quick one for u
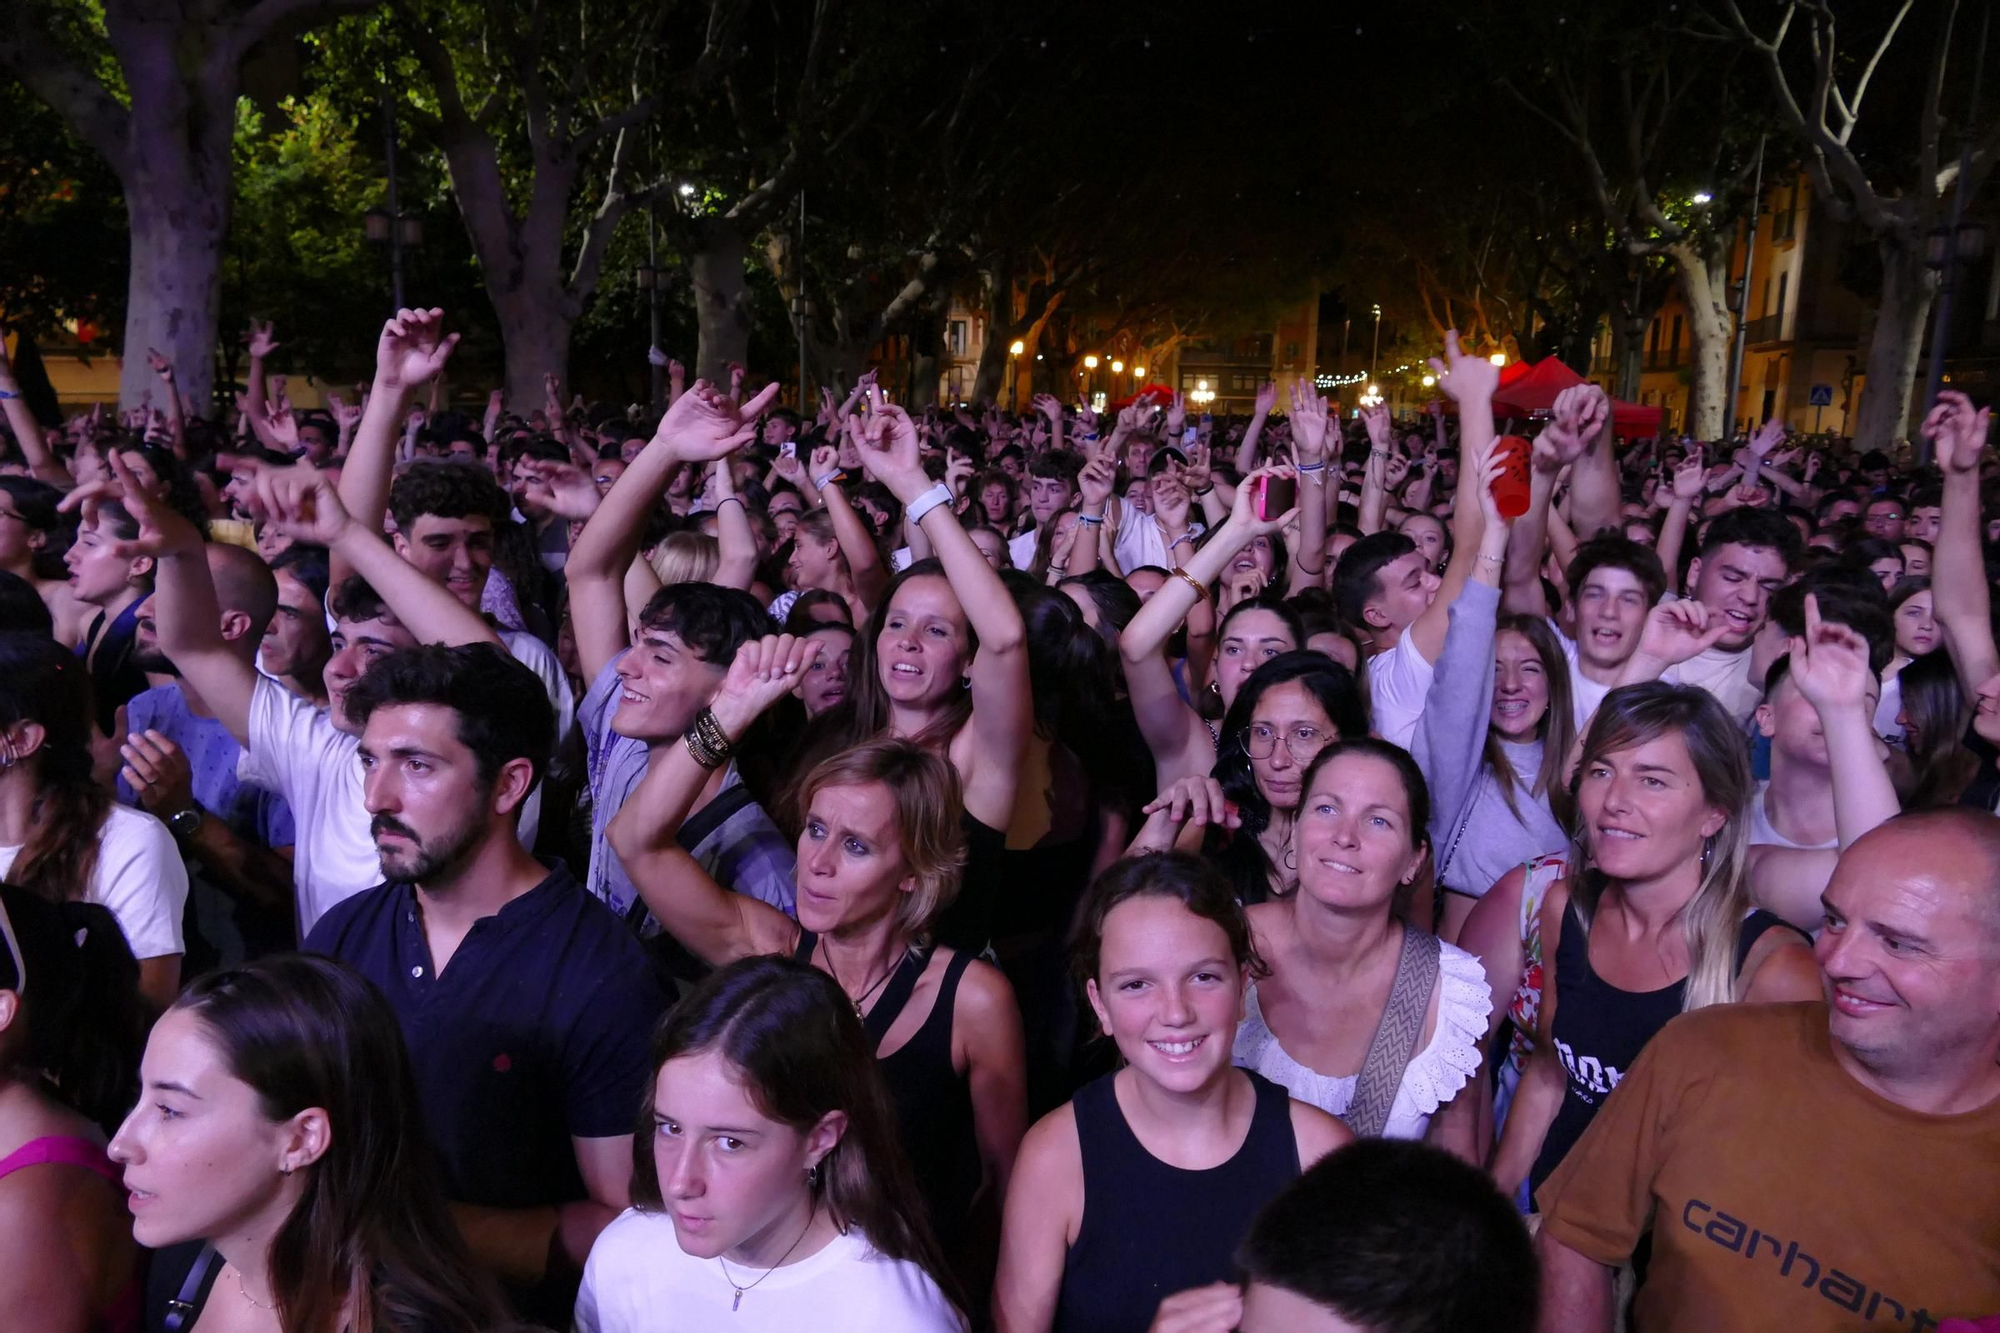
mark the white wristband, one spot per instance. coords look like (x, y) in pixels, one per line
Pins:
(939, 494)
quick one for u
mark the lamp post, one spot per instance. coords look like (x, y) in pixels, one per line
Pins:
(1014, 350)
(1741, 295)
(1375, 351)
(387, 224)
(647, 278)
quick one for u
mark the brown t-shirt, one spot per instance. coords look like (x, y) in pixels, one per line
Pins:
(1781, 1193)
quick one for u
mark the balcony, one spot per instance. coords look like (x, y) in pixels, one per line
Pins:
(1769, 329)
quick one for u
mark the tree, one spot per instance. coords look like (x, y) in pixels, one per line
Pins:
(152, 89)
(62, 223)
(1896, 197)
(1651, 115)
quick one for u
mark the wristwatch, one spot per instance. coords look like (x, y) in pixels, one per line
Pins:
(183, 823)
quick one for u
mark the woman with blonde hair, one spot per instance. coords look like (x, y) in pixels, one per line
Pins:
(686, 557)
(880, 853)
(1659, 920)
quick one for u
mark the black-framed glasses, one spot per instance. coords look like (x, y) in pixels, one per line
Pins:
(1260, 740)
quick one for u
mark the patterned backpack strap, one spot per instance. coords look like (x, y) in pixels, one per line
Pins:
(1396, 1036)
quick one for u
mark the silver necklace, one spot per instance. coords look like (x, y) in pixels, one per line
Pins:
(737, 1304)
(244, 1291)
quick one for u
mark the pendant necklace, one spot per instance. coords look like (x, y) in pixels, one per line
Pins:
(830, 971)
(737, 1304)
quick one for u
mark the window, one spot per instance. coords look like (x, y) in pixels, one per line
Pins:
(1784, 281)
(956, 338)
(1674, 351)
(1653, 346)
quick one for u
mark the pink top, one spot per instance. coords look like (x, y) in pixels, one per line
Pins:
(63, 1150)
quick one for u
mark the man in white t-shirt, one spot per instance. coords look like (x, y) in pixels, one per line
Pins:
(1746, 556)
(306, 755)
(1613, 582)
(1383, 586)
(1051, 489)
(1165, 537)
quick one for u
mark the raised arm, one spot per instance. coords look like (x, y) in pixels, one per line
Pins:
(1595, 497)
(1246, 452)
(1309, 439)
(1375, 475)
(1560, 445)
(1471, 381)
(413, 348)
(176, 415)
(1173, 731)
(1959, 593)
(701, 426)
(1094, 484)
(738, 567)
(850, 531)
(304, 505)
(1829, 664)
(1002, 706)
(263, 342)
(185, 610)
(1689, 479)
(28, 433)
(719, 926)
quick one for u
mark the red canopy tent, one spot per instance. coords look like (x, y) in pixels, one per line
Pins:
(1532, 393)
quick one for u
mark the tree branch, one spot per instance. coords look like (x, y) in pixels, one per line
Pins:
(272, 18)
(40, 62)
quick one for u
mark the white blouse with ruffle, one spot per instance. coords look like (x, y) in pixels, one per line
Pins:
(1435, 1074)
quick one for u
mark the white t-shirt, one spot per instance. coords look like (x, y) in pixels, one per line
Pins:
(1764, 834)
(639, 1281)
(1398, 682)
(1140, 543)
(139, 876)
(539, 658)
(1724, 674)
(1585, 694)
(1021, 547)
(296, 751)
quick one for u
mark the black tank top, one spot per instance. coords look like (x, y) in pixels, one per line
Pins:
(1150, 1229)
(1599, 1030)
(933, 1100)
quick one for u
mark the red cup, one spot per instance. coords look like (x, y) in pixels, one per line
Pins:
(1510, 488)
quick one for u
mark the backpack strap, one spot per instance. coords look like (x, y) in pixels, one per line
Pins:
(1396, 1036)
(183, 1308)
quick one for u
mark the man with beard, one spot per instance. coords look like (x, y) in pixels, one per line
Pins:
(525, 1003)
(179, 764)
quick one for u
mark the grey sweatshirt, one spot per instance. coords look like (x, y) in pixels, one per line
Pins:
(1448, 746)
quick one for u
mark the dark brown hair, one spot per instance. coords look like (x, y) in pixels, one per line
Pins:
(1182, 876)
(370, 1230)
(43, 683)
(793, 1037)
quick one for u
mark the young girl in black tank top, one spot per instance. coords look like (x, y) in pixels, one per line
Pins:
(1659, 924)
(1144, 1184)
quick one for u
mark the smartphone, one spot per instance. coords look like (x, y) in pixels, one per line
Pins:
(1276, 496)
(789, 449)
(1190, 437)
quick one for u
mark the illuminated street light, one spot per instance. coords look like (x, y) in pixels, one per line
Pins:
(1017, 347)
(687, 189)
(1138, 370)
(1090, 363)
(1118, 367)
(1430, 381)
(1498, 358)
(1703, 196)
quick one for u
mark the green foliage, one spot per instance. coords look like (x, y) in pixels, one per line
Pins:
(62, 223)
(297, 250)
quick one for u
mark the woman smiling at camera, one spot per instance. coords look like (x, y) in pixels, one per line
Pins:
(1144, 1184)
(770, 1191)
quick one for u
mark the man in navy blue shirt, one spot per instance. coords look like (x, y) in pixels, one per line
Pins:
(526, 1005)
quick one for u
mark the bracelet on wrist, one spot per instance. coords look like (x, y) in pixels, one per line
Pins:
(821, 483)
(1090, 520)
(731, 499)
(921, 505)
(1310, 467)
(1200, 592)
(1205, 491)
(1187, 537)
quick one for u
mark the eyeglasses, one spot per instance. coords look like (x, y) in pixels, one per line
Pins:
(1260, 741)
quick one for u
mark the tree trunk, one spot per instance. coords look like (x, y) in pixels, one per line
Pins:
(534, 337)
(1703, 277)
(926, 344)
(1628, 350)
(1907, 288)
(178, 226)
(721, 298)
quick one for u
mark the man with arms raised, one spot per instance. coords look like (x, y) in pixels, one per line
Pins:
(1825, 1165)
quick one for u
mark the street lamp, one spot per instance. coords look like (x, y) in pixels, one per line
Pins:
(375, 225)
(1376, 351)
(1014, 349)
(1118, 367)
(1498, 358)
(1430, 381)
(1702, 196)
(1138, 372)
(1090, 363)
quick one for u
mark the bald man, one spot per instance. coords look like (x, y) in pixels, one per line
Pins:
(179, 763)
(1833, 1165)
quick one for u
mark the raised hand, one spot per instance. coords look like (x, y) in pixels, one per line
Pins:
(703, 425)
(1829, 663)
(1690, 477)
(825, 459)
(277, 423)
(1462, 375)
(263, 341)
(1394, 468)
(1308, 424)
(889, 449)
(1766, 438)
(1958, 431)
(1243, 513)
(1679, 630)
(655, 357)
(561, 488)
(346, 416)
(1048, 405)
(1198, 474)
(1579, 415)
(1376, 419)
(1094, 482)
(161, 366)
(958, 471)
(413, 348)
(1197, 800)
(1177, 413)
(162, 529)
(764, 671)
(1267, 398)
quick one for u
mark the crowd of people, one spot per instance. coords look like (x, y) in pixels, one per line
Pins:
(712, 867)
